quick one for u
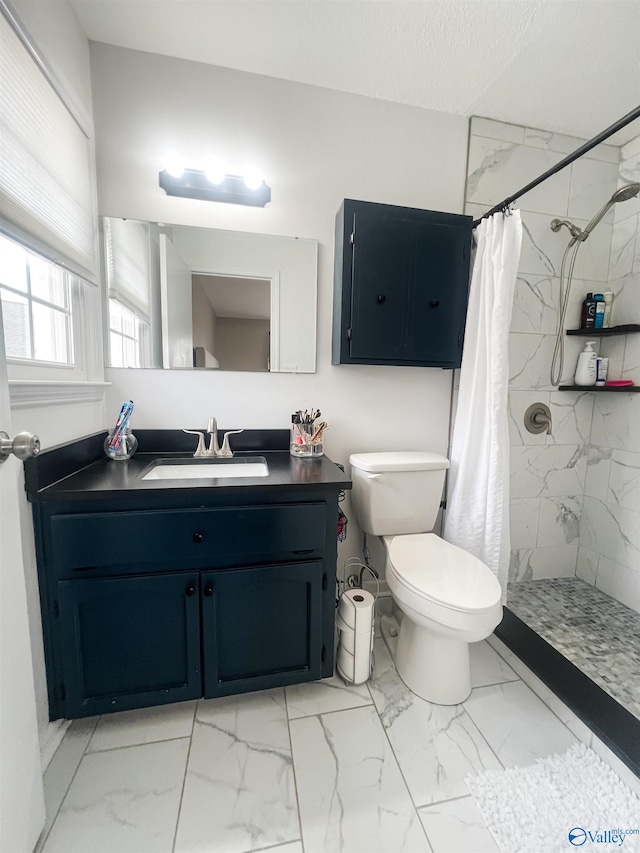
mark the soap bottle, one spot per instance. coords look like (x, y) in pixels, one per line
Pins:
(586, 369)
(600, 310)
(588, 316)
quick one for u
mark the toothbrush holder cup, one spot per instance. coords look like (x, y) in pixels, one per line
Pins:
(306, 440)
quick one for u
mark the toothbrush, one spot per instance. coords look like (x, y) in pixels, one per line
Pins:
(121, 425)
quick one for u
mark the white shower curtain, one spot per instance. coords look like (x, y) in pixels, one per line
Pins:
(477, 516)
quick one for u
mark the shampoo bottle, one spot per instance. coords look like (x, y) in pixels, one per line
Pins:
(588, 316)
(608, 302)
(586, 369)
(600, 310)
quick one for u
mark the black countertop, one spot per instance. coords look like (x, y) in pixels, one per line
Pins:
(80, 471)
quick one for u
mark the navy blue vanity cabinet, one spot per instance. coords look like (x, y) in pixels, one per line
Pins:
(154, 598)
(128, 642)
(401, 285)
(259, 624)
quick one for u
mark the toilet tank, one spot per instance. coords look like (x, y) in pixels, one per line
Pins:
(397, 492)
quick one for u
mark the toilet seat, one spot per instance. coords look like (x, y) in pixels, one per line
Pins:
(442, 574)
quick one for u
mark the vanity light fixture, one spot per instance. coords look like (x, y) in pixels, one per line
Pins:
(213, 184)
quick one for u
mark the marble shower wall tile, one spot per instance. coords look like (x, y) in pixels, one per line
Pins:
(592, 260)
(629, 171)
(571, 414)
(351, 793)
(613, 349)
(598, 468)
(559, 521)
(631, 367)
(239, 791)
(568, 144)
(587, 565)
(624, 480)
(612, 531)
(535, 304)
(620, 582)
(495, 167)
(549, 471)
(542, 248)
(616, 421)
(529, 564)
(623, 247)
(626, 298)
(523, 522)
(592, 185)
(530, 361)
(496, 129)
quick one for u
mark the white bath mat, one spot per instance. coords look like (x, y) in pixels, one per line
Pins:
(561, 803)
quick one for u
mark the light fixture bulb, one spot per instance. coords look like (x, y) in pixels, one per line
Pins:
(215, 171)
(174, 165)
(252, 178)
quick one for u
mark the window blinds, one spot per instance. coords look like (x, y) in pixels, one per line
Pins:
(127, 264)
(46, 187)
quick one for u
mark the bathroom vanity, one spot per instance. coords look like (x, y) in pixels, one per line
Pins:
(155, 591)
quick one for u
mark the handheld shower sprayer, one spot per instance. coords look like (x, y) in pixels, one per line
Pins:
(628, 191)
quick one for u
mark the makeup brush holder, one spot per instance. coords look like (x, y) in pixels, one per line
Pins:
(306, 440)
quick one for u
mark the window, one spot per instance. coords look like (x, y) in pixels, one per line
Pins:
(36, 306)
(127, 336)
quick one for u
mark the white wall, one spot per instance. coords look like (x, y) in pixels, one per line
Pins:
(59, 37)
(316, 147)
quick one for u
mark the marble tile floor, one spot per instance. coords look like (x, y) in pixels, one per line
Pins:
(313, 768)
(595, 632)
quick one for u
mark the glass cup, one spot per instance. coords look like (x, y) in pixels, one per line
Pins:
(306, 440)
(128, 445)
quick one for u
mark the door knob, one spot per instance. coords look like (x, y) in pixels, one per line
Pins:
(24, 445)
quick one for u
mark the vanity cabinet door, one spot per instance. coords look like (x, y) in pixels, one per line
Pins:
(261, 627)
(128, 642)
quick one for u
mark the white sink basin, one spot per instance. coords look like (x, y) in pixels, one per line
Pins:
(208, 470)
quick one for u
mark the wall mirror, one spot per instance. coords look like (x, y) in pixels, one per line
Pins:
(185, 297)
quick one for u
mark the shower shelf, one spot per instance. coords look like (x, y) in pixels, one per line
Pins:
(628, 329)
(621, 389)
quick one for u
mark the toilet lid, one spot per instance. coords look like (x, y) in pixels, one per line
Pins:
(443, 573)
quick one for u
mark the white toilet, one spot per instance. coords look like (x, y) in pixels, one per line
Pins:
(448, 598)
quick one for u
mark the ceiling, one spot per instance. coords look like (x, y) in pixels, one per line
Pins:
(241, 298)
(571, 66)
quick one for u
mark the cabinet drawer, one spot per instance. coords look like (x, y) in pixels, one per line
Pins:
(104, 538)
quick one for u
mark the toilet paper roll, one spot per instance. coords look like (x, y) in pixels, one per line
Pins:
(356, 609)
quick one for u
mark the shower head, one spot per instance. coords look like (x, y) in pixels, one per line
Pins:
(628, 191)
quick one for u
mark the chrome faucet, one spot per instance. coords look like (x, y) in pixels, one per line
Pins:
(214, 450)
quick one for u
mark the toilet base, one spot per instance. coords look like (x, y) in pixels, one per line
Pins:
(434, 667)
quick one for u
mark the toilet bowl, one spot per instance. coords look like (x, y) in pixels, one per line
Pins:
(448, 599)
(447, 596)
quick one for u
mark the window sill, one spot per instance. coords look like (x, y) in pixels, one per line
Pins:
(25, 393)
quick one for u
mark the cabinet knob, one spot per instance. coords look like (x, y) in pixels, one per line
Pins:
(208, 590)
(198, 537)
(382, 298)
(190, 590)
(434, 303)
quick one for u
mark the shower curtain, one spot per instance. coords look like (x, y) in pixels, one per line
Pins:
(477, 516)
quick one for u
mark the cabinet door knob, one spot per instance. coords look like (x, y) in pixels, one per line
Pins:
(190, 590)
(435, 303)
(208, 590)
(198, 537)
(381, 299)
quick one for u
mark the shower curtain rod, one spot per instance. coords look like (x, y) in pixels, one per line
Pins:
(605, 134)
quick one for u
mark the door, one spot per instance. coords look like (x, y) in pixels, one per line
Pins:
(21, 795)
(261, 627)
(128, 642)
